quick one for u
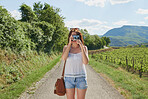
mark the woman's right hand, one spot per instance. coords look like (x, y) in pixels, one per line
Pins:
(70, 38)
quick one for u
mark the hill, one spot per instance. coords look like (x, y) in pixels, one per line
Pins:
(128, 35)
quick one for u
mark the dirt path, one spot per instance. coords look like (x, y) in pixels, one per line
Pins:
(98, 87)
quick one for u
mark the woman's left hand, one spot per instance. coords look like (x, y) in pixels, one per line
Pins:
(79, 42)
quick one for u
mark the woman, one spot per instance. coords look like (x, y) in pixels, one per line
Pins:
(75, 53)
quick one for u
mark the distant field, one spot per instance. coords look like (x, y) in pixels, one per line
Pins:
(133, 59)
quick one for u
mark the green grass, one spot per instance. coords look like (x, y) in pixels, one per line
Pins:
(15, 89)
(134, 87)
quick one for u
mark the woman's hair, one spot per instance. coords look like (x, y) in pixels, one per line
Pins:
(76, 30)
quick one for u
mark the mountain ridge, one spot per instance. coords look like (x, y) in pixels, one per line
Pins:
(128, 35)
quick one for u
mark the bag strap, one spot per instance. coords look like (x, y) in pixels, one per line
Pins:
(63, 69)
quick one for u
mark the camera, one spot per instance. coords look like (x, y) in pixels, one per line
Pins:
(76, 37)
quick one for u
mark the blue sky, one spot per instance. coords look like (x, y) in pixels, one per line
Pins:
(97, 16)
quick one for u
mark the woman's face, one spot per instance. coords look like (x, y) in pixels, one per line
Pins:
(73, 33)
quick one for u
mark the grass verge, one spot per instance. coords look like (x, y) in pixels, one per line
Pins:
(129, 85)
(15, 89)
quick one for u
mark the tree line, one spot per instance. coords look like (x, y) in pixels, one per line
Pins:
(41, 28)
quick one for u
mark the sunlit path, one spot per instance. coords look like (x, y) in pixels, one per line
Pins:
(98, 87)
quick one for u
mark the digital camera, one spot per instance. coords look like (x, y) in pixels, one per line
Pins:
(76, 37)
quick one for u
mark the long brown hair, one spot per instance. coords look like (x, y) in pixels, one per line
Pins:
(76, 30)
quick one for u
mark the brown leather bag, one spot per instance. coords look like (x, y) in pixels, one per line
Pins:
(59, 87)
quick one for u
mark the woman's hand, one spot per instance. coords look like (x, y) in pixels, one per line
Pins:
(79, 42)
(70, 38)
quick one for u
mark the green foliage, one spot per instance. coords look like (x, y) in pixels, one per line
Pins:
(40, 29)
(94, 41)
(59, 38)
(22, 70)
(106, 41)
(27, 14)
(138, 55)
(49, 14)
(11, 33)
(43, 37)
(37, 7)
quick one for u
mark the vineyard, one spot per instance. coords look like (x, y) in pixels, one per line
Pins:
(133, 59)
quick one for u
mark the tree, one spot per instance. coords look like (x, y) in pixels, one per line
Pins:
(12, 34)
(37, 8)
(51, 15)
(27, 14)
(107, 40)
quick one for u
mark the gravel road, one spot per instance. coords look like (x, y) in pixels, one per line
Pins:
(98, 87)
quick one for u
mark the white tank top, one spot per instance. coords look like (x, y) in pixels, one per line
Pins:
(74, 66)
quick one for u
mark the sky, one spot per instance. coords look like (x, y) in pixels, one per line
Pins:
(97, 16)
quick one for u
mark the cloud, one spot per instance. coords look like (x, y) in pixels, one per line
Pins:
(90, 22)
(93, 26)
(96, 26)
(101, 3)
(96, 3)
(81, 0)
(146, 18)
(121, 23)
(113, 2)
(142, 11)
(142, 22)
(16, 14)
(125, 22)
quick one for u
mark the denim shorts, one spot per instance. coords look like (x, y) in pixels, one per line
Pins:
(78, 82)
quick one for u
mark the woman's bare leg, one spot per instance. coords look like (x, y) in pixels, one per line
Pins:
(81, 93)
(70, 93)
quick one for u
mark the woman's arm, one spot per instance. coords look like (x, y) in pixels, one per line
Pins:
(66, 51)
(85, 55)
